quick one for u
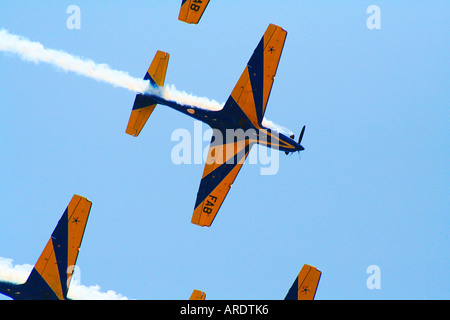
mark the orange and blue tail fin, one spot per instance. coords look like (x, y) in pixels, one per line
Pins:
(144, 104)
(305, 284)
(50, 277)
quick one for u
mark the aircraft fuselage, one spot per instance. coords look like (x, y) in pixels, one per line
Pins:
(26, 292)
(234, 120)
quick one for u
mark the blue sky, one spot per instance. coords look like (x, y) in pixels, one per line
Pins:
(371, 188)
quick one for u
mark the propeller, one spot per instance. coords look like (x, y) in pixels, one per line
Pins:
(301, 134)
(299, 138)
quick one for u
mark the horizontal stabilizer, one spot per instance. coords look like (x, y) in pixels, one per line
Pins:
(144, 104)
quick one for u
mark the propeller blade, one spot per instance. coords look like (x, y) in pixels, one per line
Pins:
(301, 134)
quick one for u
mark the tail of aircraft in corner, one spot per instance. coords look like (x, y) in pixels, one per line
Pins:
(50, 277)
(305, 284)
(144, 104)
(303, 288)
(197, 295)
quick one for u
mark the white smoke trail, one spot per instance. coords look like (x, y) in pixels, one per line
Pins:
(272, 125)
(169, 92)
(19, 274)
(36, 52)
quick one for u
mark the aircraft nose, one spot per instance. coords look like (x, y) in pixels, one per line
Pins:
(301, 148)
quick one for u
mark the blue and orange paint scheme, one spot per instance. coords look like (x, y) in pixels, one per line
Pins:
(243, 112)
(191, 11)
(51, 275)
(305, 284)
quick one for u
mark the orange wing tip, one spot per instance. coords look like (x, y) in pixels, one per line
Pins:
(182, 16)
(192, 11)
(202, 220)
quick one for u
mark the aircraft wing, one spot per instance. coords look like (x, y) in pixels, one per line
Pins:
(305, 284)
(252, 91)
(192, 10)
(56, 263)
(222, 166)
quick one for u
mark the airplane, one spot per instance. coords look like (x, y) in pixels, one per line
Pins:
(191, 11)
(303, 288)
(51, 275)
(243, 112)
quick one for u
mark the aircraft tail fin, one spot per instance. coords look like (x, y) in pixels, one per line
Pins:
(197, 295)
(305, 284)
(144, 104)
(50, 277)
